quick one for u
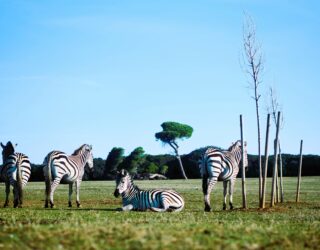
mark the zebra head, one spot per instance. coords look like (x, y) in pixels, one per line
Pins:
(245, 160)
(85, 151)
(123, 181)
(88, 150)
(236, 148)
(7, 150)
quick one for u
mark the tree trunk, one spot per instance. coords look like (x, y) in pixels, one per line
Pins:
(175, 148)
(181, 167)
(259, 142)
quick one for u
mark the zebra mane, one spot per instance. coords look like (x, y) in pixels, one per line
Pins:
(126, 173)
(234, 145)
(77, 151)
(209, 150)
(133, 184)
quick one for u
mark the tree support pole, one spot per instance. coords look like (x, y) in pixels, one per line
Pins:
(244, 195)
(299, 174)
(266, 157)
(275, 174)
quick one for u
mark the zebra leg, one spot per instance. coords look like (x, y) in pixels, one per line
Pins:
(54, 185)
(6, 203)
(78, 182)
(231, 188)
(127, 208)
(207, 207)
(156, 209)
(15, 195)
(70, 194)
(47, 193)
(162, 204)
(225, 189)
(207, 186)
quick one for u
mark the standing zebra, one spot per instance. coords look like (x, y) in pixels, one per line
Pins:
(135, 199)
(59, 167)
(16, 170)
(216, 164)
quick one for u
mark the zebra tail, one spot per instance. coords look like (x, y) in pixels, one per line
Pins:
(19, 182)
(49, 169)
(48, 179)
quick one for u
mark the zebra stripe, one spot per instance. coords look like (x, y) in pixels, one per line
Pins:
(216, 164)
(16, 172)
(61, 168)
(133, 198)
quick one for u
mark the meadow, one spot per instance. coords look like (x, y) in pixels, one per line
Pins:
(97, 225)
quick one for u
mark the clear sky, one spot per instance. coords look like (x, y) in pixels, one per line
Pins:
(108, 73)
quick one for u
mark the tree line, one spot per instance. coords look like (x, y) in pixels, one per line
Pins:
(141, 164)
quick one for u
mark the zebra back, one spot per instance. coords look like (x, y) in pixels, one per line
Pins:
(17, 168)
(215, 161)
(68, 164)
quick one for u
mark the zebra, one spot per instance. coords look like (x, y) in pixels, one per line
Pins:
(216, 164)
(156, 200)
(59, 167)
(15, 171)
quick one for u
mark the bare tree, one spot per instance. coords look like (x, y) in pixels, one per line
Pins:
(253, 64)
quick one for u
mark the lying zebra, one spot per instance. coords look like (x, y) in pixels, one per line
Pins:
(157, 200)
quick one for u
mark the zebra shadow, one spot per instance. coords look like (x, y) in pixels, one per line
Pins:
(78, 209)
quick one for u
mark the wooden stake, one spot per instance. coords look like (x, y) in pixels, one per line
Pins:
(299, 174)
(281, 180)
(266, 156)
(244, 195)
(276, 142)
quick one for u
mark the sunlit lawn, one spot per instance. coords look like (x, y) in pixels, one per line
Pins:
(98, 226)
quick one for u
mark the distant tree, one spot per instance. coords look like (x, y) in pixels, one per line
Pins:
(172, 131)
(113, 160)
(98, 173)
(152, 168)
(133, 161)
(163, 169)
(253, 64)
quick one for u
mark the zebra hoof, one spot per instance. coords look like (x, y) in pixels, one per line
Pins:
(79, 205)
(52, 205)
(224, 207)
(207, 208)
(231, 206)
(69, 204)
(5, 205)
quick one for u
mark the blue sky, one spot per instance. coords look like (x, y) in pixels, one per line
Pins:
(108, 73)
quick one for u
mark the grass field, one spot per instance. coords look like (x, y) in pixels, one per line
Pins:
(98, 226)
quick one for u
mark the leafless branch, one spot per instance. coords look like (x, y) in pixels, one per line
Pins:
(253, 65)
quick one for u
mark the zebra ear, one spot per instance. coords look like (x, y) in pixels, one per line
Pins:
(90, 146)
(123, 173)
(245, 143)
(2, 145)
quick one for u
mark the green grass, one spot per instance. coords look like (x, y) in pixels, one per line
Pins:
(98, 226)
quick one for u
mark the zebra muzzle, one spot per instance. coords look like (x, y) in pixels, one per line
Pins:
(116, 193)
